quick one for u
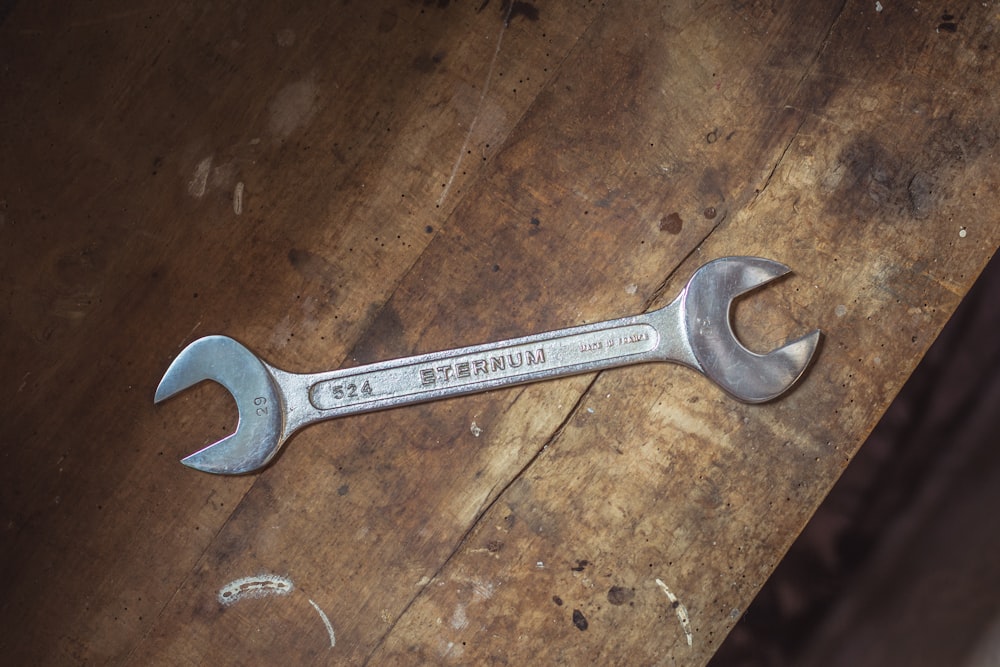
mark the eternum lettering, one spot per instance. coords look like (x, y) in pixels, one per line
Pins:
(461, 370)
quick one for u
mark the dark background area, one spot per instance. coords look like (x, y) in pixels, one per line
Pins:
(899, 566)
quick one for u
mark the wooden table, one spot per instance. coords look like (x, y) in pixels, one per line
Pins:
(334, 184)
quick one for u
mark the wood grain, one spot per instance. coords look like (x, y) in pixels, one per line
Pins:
(337, 185)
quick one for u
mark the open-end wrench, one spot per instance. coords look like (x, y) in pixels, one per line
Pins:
(694, 330)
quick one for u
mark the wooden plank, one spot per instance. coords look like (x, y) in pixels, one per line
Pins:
(130, 131)
(635, 144)
(652, 487)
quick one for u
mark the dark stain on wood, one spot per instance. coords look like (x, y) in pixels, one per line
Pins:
(619, 595)
(920, 194)
(871, 180)
(948, 23)
(385, 339)
(672, 224)
(511, 10)
(304, 261)
(579, 620)
(875, 179)
(426, 62)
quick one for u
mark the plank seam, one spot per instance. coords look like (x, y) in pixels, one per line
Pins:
(484, 510)
(798, 87)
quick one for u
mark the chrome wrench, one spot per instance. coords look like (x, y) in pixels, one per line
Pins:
(694, 330)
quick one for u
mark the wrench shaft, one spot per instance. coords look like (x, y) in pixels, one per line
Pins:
(428, 377)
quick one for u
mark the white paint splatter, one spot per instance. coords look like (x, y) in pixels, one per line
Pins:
(840, 310)
(199, 181)
(326, 622)
(878, 6)
(259, 586)
(293, 107)
(631, 289)
(962, 233)
(451, 650)
(238, 198)
(476, 431)
(680, 610)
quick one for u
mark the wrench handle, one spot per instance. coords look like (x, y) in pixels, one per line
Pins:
(427, 377)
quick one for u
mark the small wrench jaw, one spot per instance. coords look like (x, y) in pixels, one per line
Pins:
(705, 304)
(259, 434)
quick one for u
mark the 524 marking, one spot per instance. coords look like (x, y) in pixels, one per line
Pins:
(339, 391)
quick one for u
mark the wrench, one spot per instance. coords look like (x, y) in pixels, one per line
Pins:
(694, 330)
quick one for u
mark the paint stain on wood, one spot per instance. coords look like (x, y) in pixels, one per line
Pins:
(293, 107)
(682, 613)
(258, 586)
(326, 623)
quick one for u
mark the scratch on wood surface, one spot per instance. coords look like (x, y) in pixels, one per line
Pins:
(680, 610)
(459, 618)
(108, 18)
(479, 108)
(326, 623)
(258, 586)
(189, 334)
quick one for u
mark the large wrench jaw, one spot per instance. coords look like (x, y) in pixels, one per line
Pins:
(705, 306)
(259, 434)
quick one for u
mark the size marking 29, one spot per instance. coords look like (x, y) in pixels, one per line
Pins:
(261, 404)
